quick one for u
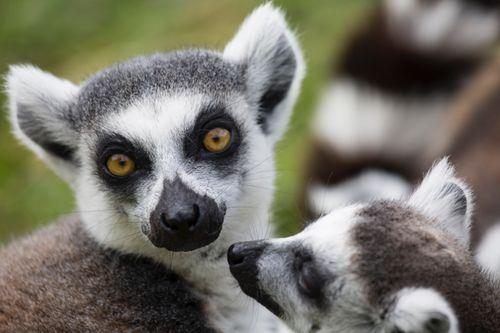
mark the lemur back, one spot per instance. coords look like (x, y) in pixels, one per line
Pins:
(390, 92)
(60, 279)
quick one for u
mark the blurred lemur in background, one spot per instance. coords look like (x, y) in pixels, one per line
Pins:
(171, 160)
(386, 266)
(387, 104)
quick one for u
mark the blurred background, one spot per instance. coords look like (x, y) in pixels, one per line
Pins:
(75, 39)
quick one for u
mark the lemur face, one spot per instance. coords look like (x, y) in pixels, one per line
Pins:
(166, 145)
(171, 160)
(360, 268)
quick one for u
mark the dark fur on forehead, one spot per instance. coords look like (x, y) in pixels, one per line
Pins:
(398, 249)
(195, 71)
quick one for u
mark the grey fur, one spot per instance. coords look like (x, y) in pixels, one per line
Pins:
(283, 69)
(188, 70)
(398, 248)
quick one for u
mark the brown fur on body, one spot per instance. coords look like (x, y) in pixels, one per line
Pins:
(420, 255)
(59, 279)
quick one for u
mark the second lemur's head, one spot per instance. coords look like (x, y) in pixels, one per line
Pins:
(384, 266)
(162, 150)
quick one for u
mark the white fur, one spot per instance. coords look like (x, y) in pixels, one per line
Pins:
(370, 185)
(449, 26)
(431, 200)
(416, 306)
(488, 252)
(330, 235)
(255, 44)
(329, 240)
(357, 120)
(42, 93)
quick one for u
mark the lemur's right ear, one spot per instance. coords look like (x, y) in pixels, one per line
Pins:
(274, 66)
(447, 199)
(39, 112)
(420, 310)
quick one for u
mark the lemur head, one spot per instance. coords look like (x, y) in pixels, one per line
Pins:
(451, 27)
(160, 149)
(366, 267)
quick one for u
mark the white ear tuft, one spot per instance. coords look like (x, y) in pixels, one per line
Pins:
(447, 199)
(39, 114)
(29, 84)
(258, 33)
(274, 66)
(421, 310)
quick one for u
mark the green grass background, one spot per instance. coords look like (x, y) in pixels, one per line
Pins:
(73, 39)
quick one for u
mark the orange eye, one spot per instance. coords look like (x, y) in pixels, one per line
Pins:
(217, 140)
(120, 165)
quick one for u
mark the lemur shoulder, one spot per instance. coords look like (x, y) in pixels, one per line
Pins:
(60, 279)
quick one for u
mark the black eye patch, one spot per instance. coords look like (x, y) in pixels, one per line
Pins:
(213, 116)
(111, 144)
(310, 278)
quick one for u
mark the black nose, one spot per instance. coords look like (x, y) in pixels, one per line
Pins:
(243, 261)
(243, 258)
(245, 254)
(184, 220)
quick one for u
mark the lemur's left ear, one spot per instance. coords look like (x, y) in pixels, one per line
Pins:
(39, 105)
(420, 310)
(447, 199)
(274, 66)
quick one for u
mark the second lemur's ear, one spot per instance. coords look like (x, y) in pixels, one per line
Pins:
(447, 199)
(420, 310)
(274, 66)
(39, 105)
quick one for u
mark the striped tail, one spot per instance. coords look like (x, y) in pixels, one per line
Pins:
(387, 99)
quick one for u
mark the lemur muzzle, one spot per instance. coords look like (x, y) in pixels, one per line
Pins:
(184, 220)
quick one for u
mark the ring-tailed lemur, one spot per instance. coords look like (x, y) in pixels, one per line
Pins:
(171, 160)
(384, 266)
(390, 91)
